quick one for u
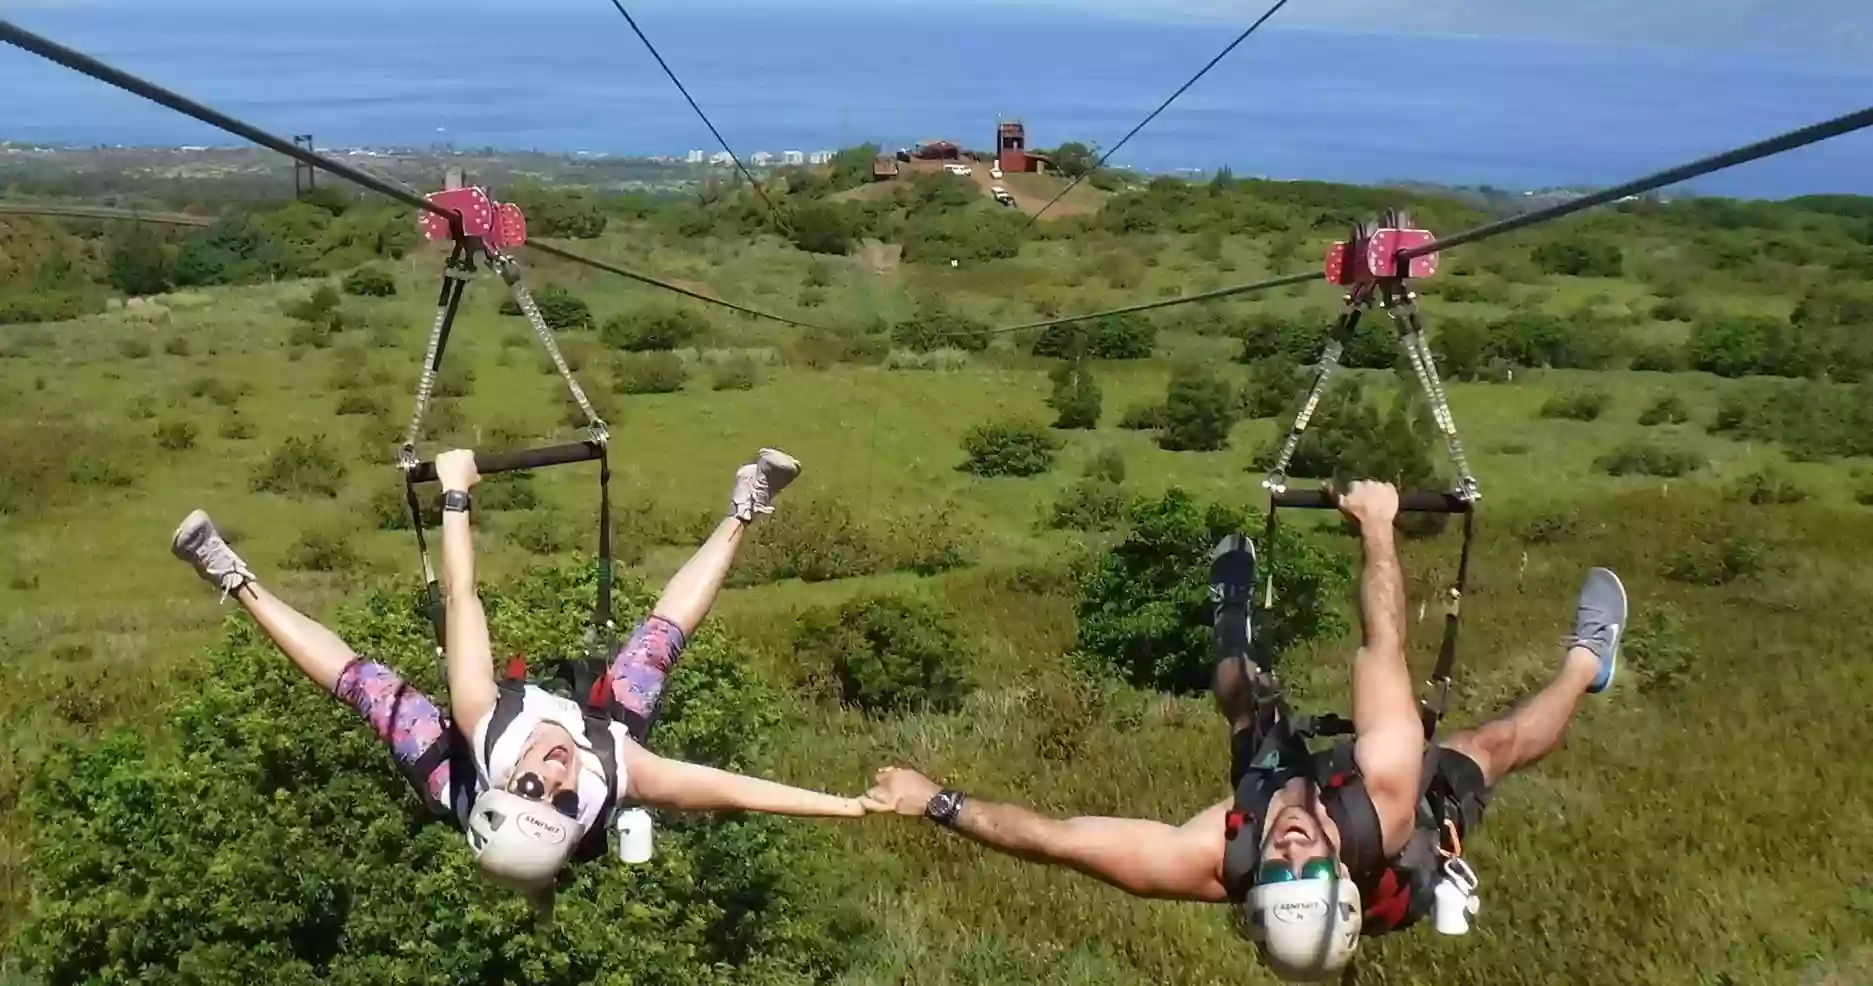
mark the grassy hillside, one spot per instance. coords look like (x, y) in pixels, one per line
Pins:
(1707, 821)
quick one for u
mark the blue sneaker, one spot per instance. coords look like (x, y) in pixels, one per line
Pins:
(1599, 618)
(1232, 586)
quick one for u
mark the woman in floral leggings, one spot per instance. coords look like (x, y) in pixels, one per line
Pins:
(542, 781)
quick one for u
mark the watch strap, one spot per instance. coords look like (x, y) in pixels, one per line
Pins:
(455, 500)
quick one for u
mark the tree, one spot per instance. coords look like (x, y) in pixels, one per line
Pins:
(1009, 448)
(1074, 159)
(888, 653)
(1076, 397)
(278, 844)
(1199, 410)
(1144, 612)
(138, 266)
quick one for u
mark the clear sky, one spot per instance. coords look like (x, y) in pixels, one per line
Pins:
(1836, 30)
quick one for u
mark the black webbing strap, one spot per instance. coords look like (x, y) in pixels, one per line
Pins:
(1431, 709)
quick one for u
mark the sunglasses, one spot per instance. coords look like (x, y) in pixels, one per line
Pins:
(529, 785)
(1278, 870)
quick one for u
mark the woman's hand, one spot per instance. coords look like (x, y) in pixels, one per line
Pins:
(455, 469)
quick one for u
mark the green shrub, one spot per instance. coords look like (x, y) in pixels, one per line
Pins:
(814, 541)
(322, 549)
(926, 542)
(176, 436)
(1144, 612)
(934, 329)
(236, 428)
(356, 403)
(1765, 487)
(300, 467)
(542, 532)
(1576, 405)
(1143, 417)
(888, 653)
(133, 348)
(454, 380)
(1644, 458)
(507, 491)
(1273, 390)
(216, 391)
(1108, 465)
(562, 310)
(93, 468)
(1111, 337)
(1349, 438)
(1199, 410)
(1076, 397)
(1714, 560)
(176, 345)
(1088, 505)
(370, 282)
(303, 869)
(1550, 528)
(1668, 409)
(739, 373)
(1010, 448)
(661, 328)
(650, 373)
(1579, 256)
(1658, 358)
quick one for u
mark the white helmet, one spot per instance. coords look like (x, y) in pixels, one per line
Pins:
(1307, 930)
(519, 842)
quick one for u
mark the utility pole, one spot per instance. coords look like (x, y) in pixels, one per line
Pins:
(302, 172)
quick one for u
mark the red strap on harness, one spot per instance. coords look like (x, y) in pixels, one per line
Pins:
(1232, 823)
(517, 668)
(1391, 901)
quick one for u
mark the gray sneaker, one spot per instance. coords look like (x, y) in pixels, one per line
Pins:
(758, 482)
(1599, 618)
(198, 543)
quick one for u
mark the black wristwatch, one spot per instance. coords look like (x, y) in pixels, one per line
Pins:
(455, 500)
(944, 807)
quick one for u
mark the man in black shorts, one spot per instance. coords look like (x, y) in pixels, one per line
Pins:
(1314, 849)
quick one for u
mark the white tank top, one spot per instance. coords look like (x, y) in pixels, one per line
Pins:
(539, 706)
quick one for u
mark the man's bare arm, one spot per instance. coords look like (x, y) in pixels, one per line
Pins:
(1143, 858)
(1390, 736)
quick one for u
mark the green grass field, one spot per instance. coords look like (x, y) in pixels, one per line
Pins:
(1708, 821)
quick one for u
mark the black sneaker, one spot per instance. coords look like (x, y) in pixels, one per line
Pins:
(1232, 588)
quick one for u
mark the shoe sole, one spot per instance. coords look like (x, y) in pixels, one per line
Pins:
(778, 458)
(195, 520)
(1619, 628)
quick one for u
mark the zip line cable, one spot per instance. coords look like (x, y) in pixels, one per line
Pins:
(19, 37)
(773, 212)
(1240, 289)
(563, 254)
(79, 62)
(1792, 140)
(1782, 143)
(1244, 36)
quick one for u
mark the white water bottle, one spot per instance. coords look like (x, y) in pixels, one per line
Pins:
(1456, 900)
(635, 836)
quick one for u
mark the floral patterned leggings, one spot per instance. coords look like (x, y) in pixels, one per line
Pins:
(421, 738)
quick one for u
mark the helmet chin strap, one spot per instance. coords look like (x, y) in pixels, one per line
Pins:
(1310, 800)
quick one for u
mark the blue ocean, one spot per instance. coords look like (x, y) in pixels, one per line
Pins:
(1289, 103)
